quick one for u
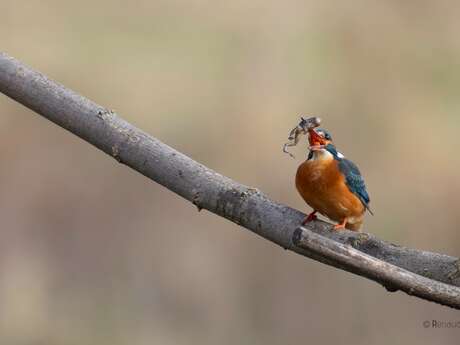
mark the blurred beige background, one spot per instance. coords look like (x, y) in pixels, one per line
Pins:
(93, 253)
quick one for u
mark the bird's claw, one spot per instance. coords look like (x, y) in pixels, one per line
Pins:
(340, 226)
(311, 217)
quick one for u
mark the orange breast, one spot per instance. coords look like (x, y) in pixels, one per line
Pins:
(323, 188)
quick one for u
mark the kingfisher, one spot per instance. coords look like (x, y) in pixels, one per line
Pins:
(331, 184)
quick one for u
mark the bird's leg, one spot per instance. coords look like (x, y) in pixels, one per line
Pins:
(341, 226)
(310, 217)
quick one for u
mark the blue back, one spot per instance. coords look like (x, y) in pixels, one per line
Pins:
(353, 178)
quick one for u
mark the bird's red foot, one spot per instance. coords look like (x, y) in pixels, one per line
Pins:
(340, 226)
(312, 216)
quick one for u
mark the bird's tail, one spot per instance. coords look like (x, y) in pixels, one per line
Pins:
(369, 210)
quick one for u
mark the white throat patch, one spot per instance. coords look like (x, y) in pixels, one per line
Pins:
(322, 155)
(325, 155)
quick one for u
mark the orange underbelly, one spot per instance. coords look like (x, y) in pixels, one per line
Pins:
(323, 188)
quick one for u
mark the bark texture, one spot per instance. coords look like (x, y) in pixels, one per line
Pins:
(428, 275)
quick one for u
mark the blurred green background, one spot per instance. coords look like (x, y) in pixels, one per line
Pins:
(93, 253)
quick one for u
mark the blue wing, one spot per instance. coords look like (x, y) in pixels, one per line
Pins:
(355, 181)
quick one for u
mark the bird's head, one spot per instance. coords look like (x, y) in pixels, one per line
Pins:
(321, 147)
(319, 138)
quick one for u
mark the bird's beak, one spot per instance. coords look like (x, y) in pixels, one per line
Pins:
(317, 142)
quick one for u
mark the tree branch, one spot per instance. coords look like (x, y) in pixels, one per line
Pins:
(390, 276)
(431, 276)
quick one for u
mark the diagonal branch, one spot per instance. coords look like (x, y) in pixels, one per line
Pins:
(431, 276)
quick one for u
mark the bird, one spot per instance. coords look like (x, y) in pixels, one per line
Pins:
(331, 184)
